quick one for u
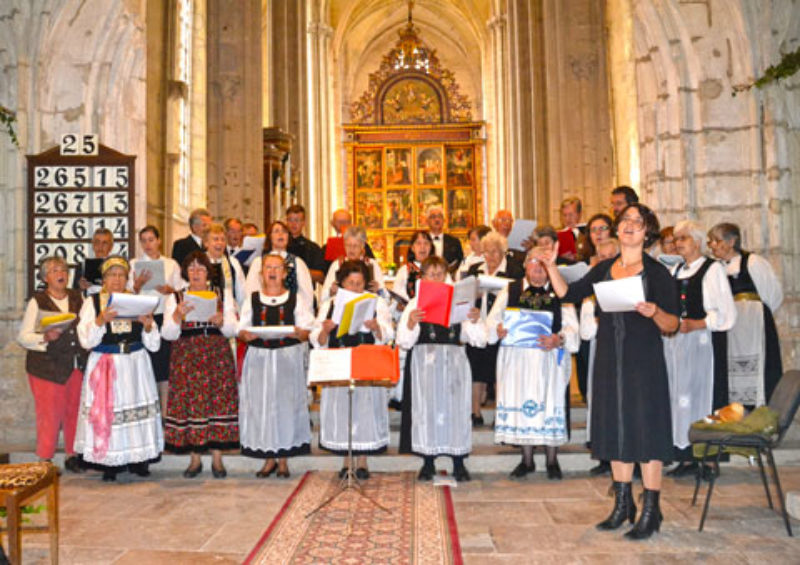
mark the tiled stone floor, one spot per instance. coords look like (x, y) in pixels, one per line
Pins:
(167, 519)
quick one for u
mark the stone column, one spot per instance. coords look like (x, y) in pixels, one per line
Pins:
(499, 170)
(235, 177)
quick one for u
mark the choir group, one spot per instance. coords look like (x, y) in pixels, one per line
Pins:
(125, 389)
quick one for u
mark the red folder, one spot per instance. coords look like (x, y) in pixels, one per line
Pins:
(334, 248)
(435, 299)
(566, 242)
(375, 363)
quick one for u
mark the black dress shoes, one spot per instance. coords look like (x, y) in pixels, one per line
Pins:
(342, 472)
(283, 474)
(477, 420)
(109, 475)
(426, 473)
(192, 472)
(264, 473)
(362, 473)
(602, 468)
(140, 469)
(461, 474)
(73, 464)
(220, 473)
(650, 518)
(521, 470)
(554, 471)
(624, 507)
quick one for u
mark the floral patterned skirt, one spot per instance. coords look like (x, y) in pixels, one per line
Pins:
(202, 409)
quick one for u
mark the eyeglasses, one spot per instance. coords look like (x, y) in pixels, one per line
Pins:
(637, 223)
(600, 229)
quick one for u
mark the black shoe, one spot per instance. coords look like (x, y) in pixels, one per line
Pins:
(624, 508)
(109, 475)
(683, 469)
(602, 468)
(522, 470)
(396, 404)
(426, 473)
(73, 464)
(650, 518)
(220, 473)
(262, 474)
(477, 420)
(192, 472)
(554, 471)
(283, 474)
(342, 472)
(362, 473)
(461, 474)
(140, 469)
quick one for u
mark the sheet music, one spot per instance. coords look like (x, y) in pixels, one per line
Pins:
(49, 320)
(271, 332)
(572, 273)
(204, 306)
(254, 244)
(363, 310)
(340, 301)
(525, 327)
(132, 305)
(620, 295)
(157, 275)
(465, 292)
(520, 231)
(493, 284)
(328, 365)
(669, 260)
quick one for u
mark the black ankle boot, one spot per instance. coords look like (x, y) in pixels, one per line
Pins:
(650, 519)
(624, 508)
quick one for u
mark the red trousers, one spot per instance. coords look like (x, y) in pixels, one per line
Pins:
(56, 407)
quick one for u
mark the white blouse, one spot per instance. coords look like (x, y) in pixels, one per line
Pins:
(717, 298)
(171, 330)
(28, 337)
(90, 335)
(172, 277)
(472, 333)
(305, 286)
(303, 314)
(767, 284)
(377, 275)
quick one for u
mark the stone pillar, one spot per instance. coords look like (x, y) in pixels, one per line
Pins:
(499, 170)
(234, 149)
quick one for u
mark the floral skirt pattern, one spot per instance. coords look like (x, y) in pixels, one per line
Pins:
(202, 409)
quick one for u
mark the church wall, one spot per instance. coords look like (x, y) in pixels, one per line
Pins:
(67, 66)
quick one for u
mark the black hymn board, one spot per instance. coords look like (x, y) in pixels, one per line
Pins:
(73, 190)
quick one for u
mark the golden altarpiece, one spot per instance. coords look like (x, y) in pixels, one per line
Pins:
(412, 145)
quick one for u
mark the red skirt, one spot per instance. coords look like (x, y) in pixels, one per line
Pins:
(203, 404)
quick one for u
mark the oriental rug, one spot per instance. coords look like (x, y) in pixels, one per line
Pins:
(420, 527)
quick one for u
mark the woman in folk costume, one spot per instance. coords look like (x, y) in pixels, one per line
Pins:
(754, 352)
(150, 242)
(483, 360)
(531, 382)
(355, 242)
(631, 416)
(273, 407)
(298, 277)
(438, 383)
(203, 409)
(120, 417)
(226, 272)
(370, 414)
(696, 355)
(54, 361)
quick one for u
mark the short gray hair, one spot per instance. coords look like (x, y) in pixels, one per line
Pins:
(48, 262)
(494, 239)
(197, 214)
(356, 232)
(695, 231)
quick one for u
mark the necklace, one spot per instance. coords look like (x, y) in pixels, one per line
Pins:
(624, 266)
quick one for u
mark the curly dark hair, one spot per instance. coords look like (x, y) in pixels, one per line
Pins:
(651, 226)
(201, 258)
(349, 267)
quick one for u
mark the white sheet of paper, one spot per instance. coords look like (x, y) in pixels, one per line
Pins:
(254, 243)
(326, 365)
(157, 276)
(132, 305)
(620, 295)
(340, 301)
(203, 309)
(363, 310)
(669, 260)
(271, 332)
(494, 284)
(465, 293)
(520, 231)
(572, 273)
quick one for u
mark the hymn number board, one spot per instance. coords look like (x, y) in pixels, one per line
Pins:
(74, 190)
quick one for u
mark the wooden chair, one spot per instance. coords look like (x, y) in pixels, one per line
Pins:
(785, 400)
(19, 484)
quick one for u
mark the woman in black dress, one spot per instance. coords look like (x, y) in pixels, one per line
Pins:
(631, 420)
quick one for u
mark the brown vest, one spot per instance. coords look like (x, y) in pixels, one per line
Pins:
(65, 353)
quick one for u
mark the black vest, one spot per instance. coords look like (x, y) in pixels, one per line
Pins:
(347, 340)
(110, 338)
(690, 291)
(266, 315)
(743, 282)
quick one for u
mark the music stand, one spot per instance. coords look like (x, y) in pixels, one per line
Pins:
(349, 481)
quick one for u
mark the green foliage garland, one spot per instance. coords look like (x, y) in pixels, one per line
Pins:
(789, 65)
(8, 118)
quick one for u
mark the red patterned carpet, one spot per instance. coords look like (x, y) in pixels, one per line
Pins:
(420, 527)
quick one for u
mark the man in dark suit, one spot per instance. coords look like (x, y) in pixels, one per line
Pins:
(301, 246)
(199, 220)
(570, 235)
(87, 272)
(444, 244)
